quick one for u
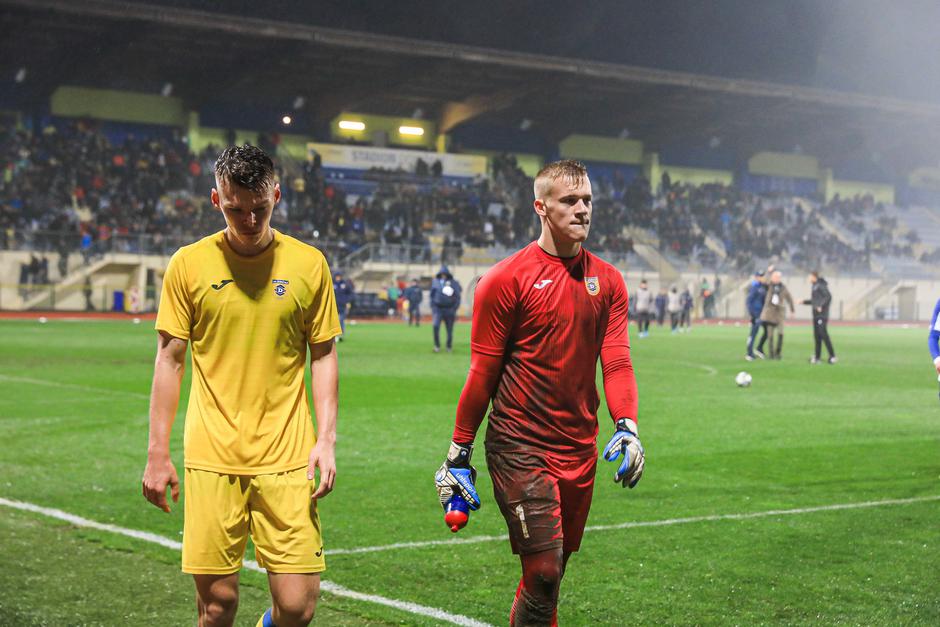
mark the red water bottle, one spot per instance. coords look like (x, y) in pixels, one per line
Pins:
(456, 513)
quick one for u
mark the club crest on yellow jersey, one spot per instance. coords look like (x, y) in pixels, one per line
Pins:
(280, 287)
(593, 285)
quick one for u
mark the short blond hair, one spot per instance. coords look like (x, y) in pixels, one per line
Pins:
(573, 172)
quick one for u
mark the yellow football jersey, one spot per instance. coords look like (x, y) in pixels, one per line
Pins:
(248, 320)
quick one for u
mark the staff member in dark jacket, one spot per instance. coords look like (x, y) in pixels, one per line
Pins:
(445, 299)
(820, 300)
(756, 294)
(414, 296)
(345, 291)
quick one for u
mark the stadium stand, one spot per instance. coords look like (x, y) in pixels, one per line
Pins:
(140, 189)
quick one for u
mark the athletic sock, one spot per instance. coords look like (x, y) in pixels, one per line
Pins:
(512, 611)
(533, 610)
(266, 620)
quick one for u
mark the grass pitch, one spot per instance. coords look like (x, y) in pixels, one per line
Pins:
(73, 427)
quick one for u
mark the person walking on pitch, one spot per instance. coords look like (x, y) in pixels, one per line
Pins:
(644, 304)
(773, 315)
(820, 299)
(756, 295)
(541, 319)
(251, 303)
(674, 306)
(445, 300)
(414, 295)
(933, 338)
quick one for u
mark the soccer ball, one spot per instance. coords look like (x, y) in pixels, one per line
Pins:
(743, 379)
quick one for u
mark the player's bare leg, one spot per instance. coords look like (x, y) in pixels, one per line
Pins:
(536, 599)
(216, 599)
(295, 598)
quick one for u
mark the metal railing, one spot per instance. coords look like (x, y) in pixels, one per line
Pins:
(67, 242)
(78, 298)
(385, 253)
(70, 242)
(340, 254)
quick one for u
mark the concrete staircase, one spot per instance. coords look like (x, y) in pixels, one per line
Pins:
(651, 255)
(369, 279)
(117, 271)
(859, 309)
(713, 244)
(834, 230)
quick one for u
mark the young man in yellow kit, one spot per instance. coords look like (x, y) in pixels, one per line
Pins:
(251, 302)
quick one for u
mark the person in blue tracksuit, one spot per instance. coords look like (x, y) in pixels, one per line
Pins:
(933, 340)
(445, 299)
(345, 291)
(756, 294)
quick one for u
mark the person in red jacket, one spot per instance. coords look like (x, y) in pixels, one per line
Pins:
(541, 320)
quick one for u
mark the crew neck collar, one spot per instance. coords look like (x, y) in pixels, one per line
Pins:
(263, 254)
(564, 261)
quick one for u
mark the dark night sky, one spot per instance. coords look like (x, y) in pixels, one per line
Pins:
(880, 47)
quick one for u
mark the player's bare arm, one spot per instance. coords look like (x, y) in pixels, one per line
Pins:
(164, 398)
(324, 371)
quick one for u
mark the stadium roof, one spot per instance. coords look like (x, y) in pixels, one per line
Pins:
(213, 58)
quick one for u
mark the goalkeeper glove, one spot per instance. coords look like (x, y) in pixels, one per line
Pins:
(625, 442)
(457, 476)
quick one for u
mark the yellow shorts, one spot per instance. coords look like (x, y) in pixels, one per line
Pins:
(221, 511)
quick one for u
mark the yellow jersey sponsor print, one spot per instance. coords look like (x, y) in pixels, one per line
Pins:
(249, 321)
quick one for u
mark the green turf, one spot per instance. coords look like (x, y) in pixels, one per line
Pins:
(73, 427)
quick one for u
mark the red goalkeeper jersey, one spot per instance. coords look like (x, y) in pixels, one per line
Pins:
(546, 320)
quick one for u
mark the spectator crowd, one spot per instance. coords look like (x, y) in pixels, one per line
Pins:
(72, 186)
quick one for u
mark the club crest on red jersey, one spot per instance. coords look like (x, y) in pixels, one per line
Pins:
(593, 285)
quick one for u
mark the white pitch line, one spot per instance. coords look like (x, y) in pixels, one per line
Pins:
(326, 586)
(765, 514)
(644, 523)
(417, 545)
(78, 521)
(71, 386)
(711, 370)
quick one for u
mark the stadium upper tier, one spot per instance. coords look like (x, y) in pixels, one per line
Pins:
(72, 188)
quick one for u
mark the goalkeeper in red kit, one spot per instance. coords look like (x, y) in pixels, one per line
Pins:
(541, 320)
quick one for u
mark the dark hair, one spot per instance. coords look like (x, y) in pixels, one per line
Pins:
(247, 166)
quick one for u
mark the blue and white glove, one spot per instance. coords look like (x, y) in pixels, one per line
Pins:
(625, 442)
(457, 475)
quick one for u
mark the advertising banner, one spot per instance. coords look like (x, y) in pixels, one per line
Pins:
(368, 157)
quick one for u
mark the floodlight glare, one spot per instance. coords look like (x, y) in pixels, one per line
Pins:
(286, 120)
(411, 130)
(349, 125)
